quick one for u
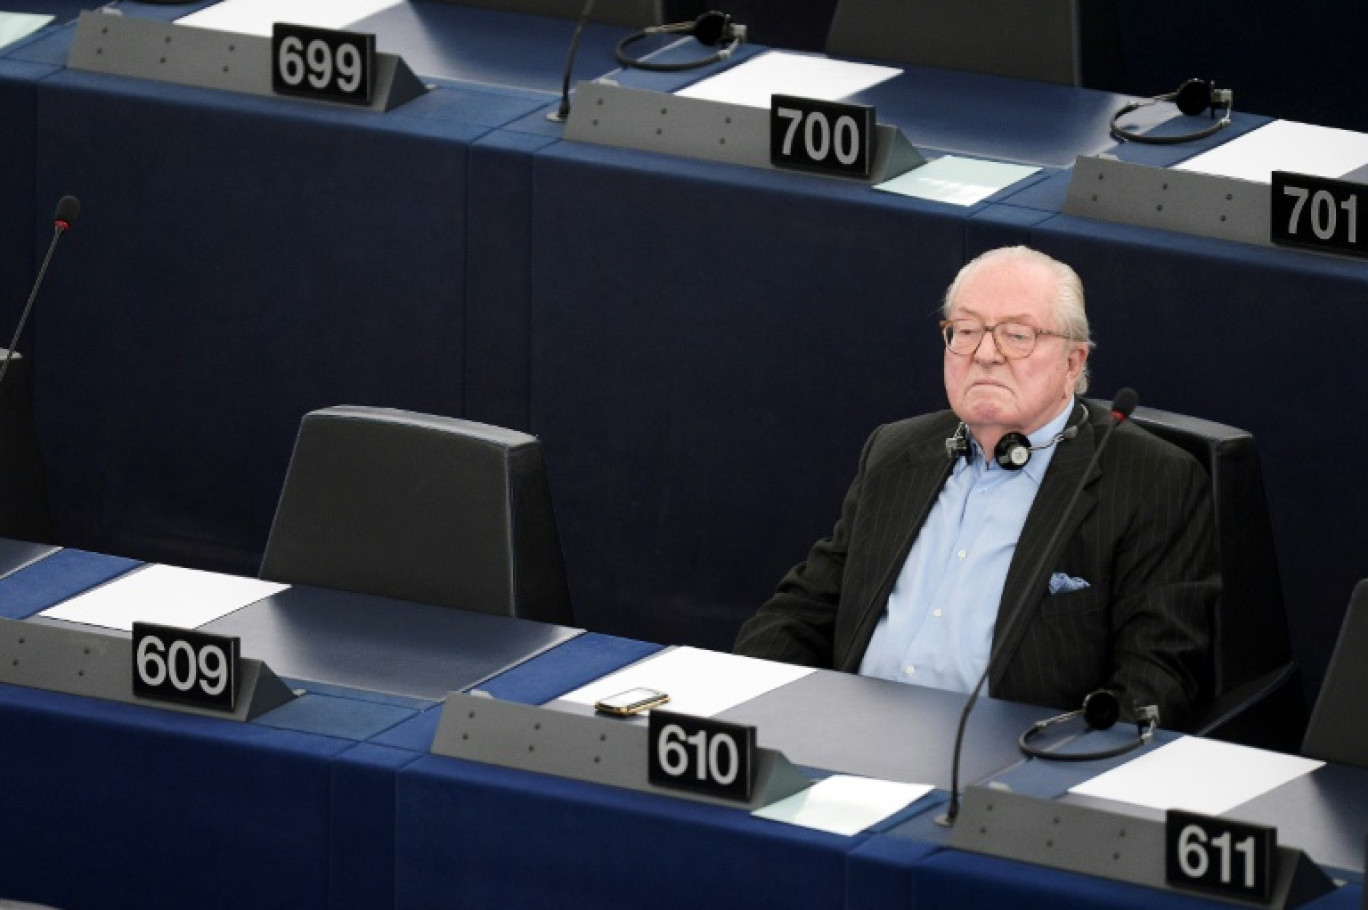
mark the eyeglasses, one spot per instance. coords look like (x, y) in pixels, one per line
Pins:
(963, 337)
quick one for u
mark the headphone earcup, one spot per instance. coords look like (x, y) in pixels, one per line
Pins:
(710, 28)
(1012, 451)
(1101, 709)
(1193, 97)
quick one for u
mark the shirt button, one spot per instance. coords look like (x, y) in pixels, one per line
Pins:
(909, 670)
(962, 553)
(936, 612)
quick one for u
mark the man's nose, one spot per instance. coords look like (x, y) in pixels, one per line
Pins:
(988, 350)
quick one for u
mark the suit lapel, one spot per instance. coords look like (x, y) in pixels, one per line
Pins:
(1030, 559)
(902, 497)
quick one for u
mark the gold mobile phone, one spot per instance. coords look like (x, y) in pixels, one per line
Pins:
(633, 701)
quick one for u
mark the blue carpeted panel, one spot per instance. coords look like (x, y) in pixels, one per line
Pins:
(55, 578)
(141, 807)
(361, 852)
(475, 835)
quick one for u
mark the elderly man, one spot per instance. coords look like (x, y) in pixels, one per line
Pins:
(951, 512)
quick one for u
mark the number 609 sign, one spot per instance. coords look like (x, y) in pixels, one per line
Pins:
(185, 666)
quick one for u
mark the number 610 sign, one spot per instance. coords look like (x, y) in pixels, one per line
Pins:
(701, 754)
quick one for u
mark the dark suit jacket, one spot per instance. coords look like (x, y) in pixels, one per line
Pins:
(1141, 534)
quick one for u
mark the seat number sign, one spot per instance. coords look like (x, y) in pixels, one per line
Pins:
(824, 136)
(1318, 212)
(1216, 855)
(185, 666)
(322, 63)
(702, 755)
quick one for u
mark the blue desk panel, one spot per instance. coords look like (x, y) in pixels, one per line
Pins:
(124, 806)
(480, 836)
(711, 345)
(25, 223)
(241, 261)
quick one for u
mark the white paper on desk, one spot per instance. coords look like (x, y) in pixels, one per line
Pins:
(1284, 145)
(699, 682)
(753, 81)
(257, 17)
(959, 181)
(168, 595)
(843, 804)
(1200, 775)
(14, 26)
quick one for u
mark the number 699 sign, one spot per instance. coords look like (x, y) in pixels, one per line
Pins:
(185, 666)
(322, 63)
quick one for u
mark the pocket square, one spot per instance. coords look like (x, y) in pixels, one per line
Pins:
(1063, 584)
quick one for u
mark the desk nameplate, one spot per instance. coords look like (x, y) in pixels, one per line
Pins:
(1109, 845)
(1204, 205)
(608, 114)
(76, 661)
(603, 750)
(120, 45)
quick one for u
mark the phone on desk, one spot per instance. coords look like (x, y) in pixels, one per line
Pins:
(633, 701)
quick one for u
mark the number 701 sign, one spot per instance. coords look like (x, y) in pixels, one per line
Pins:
(1316, 212)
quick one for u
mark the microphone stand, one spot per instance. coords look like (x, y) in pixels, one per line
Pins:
(1122, 406)
(560, 114)
(57, 231)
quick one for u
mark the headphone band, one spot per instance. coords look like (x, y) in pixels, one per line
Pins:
(1192, 97)
(713, 29)
(1013, 450)
(1101, 709)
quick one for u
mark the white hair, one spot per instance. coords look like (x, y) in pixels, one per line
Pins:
(1069, 303)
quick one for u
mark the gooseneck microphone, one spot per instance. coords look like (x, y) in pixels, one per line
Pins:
(1122, 406)
(560, 114)
(68, 207)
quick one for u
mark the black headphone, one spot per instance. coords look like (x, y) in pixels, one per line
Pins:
(1101, 709)
(712, 29)
(1013, 450)
(1192, 97)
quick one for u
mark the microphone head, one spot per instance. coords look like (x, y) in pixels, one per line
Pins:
(1124, 403)
(68, 207)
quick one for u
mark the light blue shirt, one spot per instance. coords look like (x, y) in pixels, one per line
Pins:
(937, 629)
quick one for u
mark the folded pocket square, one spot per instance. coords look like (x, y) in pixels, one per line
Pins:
(1063, 584)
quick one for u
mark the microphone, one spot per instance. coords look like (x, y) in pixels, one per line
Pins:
(1122, 406)
(68, 207)
(560, 114)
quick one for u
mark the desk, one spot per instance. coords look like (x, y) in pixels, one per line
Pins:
(333, 801)
(701, 347)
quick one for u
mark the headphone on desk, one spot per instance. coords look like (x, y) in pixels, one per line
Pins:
(1101, 709)
(712, 29)
(1192, 97)
(1013, 450)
